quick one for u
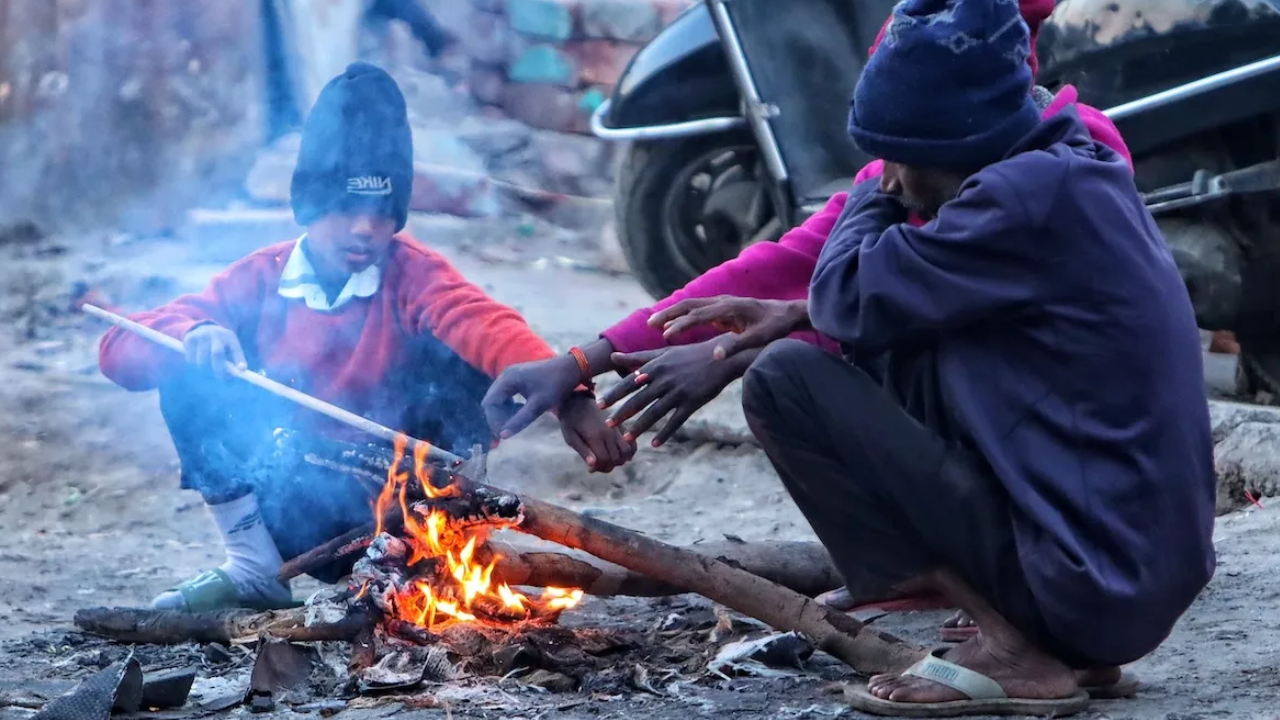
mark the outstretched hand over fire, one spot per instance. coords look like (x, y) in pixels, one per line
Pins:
(548, 385)
(586, 430)
(674, 381)
(747, 322)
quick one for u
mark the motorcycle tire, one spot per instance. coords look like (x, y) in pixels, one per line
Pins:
(662, 250)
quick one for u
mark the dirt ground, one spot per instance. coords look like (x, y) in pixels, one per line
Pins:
(92, 516)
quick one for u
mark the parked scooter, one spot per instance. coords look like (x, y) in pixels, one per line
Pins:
(735, 122)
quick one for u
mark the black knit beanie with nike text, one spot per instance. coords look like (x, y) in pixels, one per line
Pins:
(357, 150)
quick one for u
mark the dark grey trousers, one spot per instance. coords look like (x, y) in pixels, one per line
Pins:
(223, 434)
(885, 482)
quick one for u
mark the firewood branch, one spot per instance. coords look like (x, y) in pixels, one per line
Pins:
(863, 649)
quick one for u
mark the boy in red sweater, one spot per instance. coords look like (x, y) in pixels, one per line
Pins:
(352, 313)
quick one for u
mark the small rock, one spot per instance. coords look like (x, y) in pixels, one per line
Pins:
(1248, 460)
(217, 654)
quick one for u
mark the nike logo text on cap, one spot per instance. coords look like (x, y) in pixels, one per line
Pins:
(369, 185)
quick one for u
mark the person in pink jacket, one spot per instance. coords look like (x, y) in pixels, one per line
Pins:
(671, 352)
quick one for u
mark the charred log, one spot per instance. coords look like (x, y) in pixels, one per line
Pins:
(480, 507)
(867, 651)
(804, 567)
(168, 627)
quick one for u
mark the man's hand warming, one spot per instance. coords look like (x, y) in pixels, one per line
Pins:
(677, 381)
(748, 322)
(585, 430)
(544, 384)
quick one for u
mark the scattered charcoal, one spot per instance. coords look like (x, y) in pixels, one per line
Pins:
(410, 632)
(217, 653)
(552, 681)
(515, 656)
(168, 689)
(99, 659)
(73, 639)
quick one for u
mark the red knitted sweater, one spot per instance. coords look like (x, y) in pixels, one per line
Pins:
(345, 356)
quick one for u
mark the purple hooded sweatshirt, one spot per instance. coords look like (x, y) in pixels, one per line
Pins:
(1068, 353)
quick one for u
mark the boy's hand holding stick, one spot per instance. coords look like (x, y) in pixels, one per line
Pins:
(435, 455)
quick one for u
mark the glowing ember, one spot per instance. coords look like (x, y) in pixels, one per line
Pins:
(446, 582)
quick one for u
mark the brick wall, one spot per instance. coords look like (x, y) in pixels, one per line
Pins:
(550, 63)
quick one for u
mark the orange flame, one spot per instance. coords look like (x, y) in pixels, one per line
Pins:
(461, 581)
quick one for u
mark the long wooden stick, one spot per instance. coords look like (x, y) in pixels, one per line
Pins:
(804, 567)
(801, 566)
(434, 454)
(865, 650)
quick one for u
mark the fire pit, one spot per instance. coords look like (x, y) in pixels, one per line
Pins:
(433, 595)
(438, 568)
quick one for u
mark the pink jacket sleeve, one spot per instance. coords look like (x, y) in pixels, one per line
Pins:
(779, 271)
(1100, 126)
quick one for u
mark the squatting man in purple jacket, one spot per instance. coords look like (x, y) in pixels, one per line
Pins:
(1019, 422)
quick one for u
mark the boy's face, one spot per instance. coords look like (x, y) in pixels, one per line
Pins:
(349, 242)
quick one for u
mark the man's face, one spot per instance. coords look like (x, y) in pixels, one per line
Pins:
(920, 189)
(348, 243)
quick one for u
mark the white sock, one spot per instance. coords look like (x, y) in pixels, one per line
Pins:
(251, 553)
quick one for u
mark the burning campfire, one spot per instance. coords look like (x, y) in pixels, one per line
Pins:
(434, 597)
(438, 569)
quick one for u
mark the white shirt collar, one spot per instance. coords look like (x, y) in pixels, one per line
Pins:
(299, 281)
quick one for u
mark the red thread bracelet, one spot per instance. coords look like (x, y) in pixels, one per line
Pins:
(584, 367)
